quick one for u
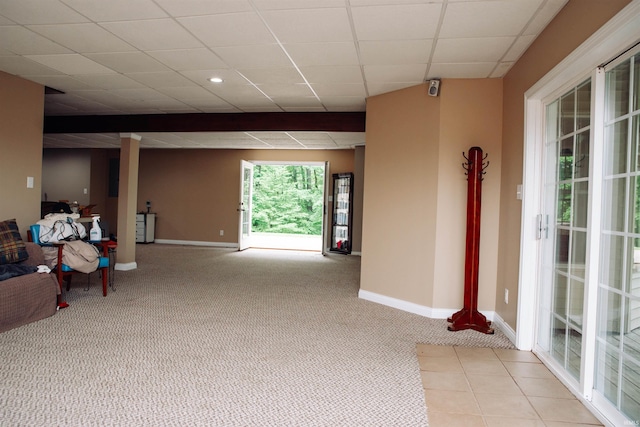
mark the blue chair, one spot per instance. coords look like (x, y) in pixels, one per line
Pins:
(63, 271)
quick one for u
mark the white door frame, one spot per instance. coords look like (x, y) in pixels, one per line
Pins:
(324, 164)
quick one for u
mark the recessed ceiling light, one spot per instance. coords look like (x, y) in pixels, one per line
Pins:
(215, 80)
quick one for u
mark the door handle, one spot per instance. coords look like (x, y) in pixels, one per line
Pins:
(542, 225)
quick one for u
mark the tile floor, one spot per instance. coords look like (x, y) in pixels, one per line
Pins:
(466, 386)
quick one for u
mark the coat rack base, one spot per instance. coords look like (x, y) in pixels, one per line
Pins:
(470, 319)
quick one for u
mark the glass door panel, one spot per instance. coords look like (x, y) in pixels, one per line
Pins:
(618, 339)
(566, 203)
(245, 205)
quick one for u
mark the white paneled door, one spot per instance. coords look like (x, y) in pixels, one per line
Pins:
(244, 208)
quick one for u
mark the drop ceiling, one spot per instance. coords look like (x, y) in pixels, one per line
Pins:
(131, 57)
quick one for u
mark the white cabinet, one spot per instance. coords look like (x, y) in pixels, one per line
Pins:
(145, 227)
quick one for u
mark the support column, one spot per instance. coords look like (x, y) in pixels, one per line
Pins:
(127, 201)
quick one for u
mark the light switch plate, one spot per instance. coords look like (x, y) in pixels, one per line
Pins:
(29, 182)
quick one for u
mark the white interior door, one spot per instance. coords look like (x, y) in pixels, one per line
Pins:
(244, 206)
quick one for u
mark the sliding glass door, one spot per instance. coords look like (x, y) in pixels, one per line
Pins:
(604, 359)
(618, 333)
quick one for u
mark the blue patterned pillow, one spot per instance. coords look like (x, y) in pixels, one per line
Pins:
(12, 248)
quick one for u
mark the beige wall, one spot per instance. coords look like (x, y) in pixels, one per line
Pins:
(414, 223)
(574, 24)
(358, 191)
(196, 192)
(470, 115)
(65, 175)
(400, 194)
(21, 118)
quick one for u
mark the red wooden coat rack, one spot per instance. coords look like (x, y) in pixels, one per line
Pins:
(469, 317)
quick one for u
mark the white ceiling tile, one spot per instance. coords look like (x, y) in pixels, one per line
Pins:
(296, 4)
(188, 59)
(116, 10)
(330, 53)
(21, 66)
(161, 79)
(499, 18)
(519, 47)
(156, 34)
(275, 90)
(348, 137)
(271, 108)
(501, 69)
(63, 83)
(187, 93)
(339, 89)
(245, 101)
(72, 64)
(83, 38)
(208, 104)
(385, 87)
(395, 73)
(253, 56)
(333, 74)
(311, 136)
(161, 104)
(128, 62)
(261, 76)
(395, 51)
(37, 12)
(309, 25)
(344, 103)
(220, 109)
(477, 70)
(84, 104)
(232, 91)
(6, 21)
(548, 11)
(23, 41)
(402, 22)
(233, 29)
(109, 81)
(139, 94)
(392, 2)
(484, 49)
(182, 8)
(297, 101)
(268, 136)
(105, 97)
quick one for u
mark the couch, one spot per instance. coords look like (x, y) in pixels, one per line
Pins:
(29, 297)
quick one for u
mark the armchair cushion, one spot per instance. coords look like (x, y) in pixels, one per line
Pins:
(12, 248)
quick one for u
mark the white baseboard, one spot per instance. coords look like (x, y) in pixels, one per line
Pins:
(499, 323)
(197, 243)
(432, 313)
(125, 266)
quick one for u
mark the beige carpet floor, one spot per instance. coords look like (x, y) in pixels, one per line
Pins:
(213, 337)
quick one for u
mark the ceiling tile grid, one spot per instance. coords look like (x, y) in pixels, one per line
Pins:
(156, 56)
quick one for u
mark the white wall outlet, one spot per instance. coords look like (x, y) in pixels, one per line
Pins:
(506, 296)
(222, 232)
(29, 182)
(84, 191)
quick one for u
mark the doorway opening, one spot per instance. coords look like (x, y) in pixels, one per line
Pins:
(287, 206)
